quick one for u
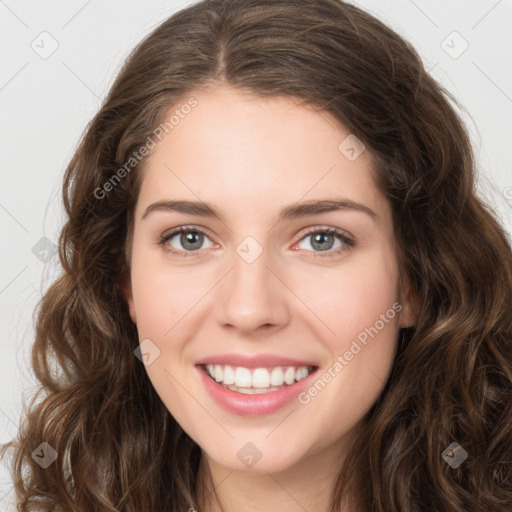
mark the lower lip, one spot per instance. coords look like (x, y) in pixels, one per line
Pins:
(252, 405)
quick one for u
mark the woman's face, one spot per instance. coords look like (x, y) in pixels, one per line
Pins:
(285, 288)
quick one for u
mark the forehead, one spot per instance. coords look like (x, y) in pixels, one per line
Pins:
(246, 151)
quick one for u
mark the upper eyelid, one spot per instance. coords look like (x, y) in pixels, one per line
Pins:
(177, 230)
(335, 230)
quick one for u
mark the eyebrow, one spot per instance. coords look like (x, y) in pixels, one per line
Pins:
(292, 211)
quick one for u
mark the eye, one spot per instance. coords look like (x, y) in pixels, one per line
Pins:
(324, 240)
(184, 239)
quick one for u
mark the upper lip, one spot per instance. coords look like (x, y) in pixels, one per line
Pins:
(259, 361)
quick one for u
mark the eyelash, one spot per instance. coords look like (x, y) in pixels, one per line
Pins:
(348, 242)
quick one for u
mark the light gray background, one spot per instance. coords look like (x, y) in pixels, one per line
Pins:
(47, 102)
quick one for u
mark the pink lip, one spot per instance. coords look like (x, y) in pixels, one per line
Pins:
(253, 405)
(260, 361)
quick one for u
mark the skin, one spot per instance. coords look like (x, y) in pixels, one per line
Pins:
(249, 157)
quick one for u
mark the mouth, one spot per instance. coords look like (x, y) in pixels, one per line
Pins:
(257, 381)
(254, 385)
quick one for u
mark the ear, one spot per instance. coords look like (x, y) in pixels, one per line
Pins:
(126, 286)
(409, 302)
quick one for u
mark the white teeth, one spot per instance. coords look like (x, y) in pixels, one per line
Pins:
(301, 373)
(253, 391)
(289, 375)
(229, 375)
(277, 377)
(243, 378)
(258, 380)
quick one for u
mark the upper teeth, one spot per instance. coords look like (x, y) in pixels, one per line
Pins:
(257, 377)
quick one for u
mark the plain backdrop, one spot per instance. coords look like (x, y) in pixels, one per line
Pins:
(58, 61)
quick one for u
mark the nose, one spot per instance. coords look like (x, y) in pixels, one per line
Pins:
(252, 297)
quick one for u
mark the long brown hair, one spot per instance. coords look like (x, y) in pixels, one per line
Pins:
(119, 448)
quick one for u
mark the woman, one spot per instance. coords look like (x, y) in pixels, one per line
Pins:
(261, 368)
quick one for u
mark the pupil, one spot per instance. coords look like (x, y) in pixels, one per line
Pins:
(319, 238)
(188, 238)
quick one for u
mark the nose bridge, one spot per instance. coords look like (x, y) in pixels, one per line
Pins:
(251, 296)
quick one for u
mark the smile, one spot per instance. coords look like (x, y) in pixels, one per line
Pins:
(254, 386)
(252, 381)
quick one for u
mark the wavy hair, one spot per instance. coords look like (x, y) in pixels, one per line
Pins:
(119, 448)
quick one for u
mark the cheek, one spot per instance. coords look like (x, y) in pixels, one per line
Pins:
(162, 298)
(364, 319)
(164, 294)
(351, 298)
